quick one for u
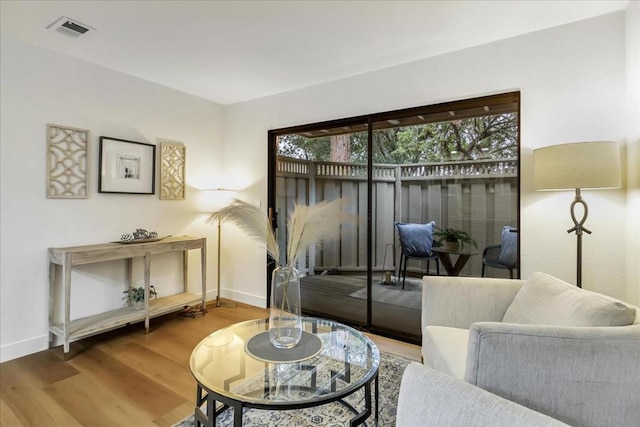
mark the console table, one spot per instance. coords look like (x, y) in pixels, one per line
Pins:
(67, 258)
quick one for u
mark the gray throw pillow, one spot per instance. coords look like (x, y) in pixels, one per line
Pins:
(509, 246)
(546, 300)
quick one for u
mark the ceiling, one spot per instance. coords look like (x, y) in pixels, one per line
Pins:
(233, 51)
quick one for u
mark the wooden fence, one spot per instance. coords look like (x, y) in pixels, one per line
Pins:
(479, 197)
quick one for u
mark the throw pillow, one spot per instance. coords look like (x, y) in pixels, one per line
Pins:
(546, 300)
(509, 246)
(416, 239)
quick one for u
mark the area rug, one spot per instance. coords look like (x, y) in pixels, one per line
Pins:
(410, 296)
(332, 414)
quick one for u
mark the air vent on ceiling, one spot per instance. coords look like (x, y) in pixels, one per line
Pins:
(70, 27)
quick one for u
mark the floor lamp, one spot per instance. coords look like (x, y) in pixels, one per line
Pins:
(216, 199)
(581, 165)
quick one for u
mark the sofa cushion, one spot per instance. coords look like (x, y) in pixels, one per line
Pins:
(445, 349)
(546, 300)
(431, 398)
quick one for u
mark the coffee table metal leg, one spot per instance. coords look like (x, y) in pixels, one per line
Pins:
(237, 415)
(212, 412)
(377, 398)
(199, 416)
(361, 417)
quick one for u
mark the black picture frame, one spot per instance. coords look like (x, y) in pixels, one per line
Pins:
(126, 167)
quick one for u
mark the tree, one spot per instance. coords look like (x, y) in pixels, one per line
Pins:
(299, 147)
(480, 137)
(486, 137)
(340, 148)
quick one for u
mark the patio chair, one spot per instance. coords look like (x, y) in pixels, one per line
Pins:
(416, 241)
(504, 255)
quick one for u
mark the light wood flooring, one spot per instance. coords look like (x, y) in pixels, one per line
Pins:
(123, 377)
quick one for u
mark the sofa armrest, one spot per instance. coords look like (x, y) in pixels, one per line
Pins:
(588, 376)
(458, 302)
(431, 398)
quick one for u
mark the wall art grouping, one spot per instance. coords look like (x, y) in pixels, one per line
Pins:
(126, 167)
(67, 162)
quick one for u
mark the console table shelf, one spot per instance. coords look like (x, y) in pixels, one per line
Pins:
(102, 322)
(67, 258)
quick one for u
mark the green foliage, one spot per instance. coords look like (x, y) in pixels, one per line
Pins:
(453, 235)
(132, 295)
(299, 147)
(486, 137)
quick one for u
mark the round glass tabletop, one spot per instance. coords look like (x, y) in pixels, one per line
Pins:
(346, 361)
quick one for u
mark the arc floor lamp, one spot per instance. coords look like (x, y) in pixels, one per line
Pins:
(581, 165)
(216, 199)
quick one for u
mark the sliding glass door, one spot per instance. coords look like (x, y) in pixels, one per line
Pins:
(322, 164)
(446, 167)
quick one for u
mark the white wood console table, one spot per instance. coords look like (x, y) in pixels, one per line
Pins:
(67, 258)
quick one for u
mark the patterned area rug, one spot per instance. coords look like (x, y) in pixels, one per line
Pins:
(410, 296)
(331, 414)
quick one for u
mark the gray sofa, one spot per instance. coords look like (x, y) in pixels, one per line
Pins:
(561, 351)
(431, 398)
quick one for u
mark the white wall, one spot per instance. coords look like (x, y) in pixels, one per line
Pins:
(572, 80)
(633, 149)
(40, 87)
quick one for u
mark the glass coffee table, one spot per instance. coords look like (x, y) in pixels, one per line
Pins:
(230, 373)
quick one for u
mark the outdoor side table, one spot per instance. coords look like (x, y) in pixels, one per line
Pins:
(226, 373)
(444, 255)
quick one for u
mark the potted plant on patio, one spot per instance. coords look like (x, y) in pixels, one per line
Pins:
(452, 239)
(135, 296)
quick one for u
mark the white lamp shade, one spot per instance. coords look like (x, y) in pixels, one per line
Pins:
(583, 165)
(214, 199)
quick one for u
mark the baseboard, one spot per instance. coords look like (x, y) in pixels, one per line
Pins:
(245, 298)
(40, 343)
(23, 348)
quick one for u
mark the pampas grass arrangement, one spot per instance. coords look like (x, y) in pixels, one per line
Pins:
(252, 221)
(306, 225)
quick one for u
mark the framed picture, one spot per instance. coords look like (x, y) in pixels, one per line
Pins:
(126, 166)
(172, 168)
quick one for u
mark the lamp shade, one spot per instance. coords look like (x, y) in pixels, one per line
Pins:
(587, 165)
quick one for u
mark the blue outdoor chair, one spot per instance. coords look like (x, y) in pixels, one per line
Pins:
(416, 241)
(504, 255)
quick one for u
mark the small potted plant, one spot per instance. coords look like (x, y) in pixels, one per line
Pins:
(452, 240)
(135, 296)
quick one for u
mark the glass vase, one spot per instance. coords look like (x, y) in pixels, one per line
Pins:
(285, 313)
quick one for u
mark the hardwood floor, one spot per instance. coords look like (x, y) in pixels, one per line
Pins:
(124, 377)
